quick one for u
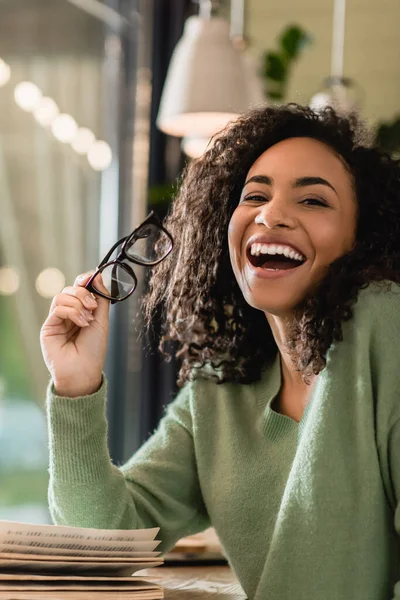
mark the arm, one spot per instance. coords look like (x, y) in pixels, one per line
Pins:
(393, 484)
(158, 487)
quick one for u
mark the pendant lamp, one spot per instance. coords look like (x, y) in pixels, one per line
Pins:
(208, 82)
(342, 93)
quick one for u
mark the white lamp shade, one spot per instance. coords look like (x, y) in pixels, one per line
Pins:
(208, 82)
(194, 147)
(342, 94)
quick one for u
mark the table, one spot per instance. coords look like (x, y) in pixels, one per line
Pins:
(198, 583)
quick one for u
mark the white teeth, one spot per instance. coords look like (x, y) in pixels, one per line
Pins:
(272, 249)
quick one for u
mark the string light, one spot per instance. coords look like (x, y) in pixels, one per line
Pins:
(46, 112)
(64, 128)
(83, 140)
(27, 95)
(100, 156)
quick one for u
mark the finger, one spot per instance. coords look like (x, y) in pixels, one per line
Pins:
(68, 299)
(103, 304)
(82, 279)
(63, 313)
(82, 294)
(98, 283)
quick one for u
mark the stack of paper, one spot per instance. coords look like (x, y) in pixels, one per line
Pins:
(45, 561)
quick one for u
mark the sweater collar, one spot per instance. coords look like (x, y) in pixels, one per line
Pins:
(274, 424)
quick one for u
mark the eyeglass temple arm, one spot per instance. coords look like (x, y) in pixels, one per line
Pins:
(109, 254)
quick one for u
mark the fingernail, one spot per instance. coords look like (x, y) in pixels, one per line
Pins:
(87, 315)
(83, 321)
(90, 302)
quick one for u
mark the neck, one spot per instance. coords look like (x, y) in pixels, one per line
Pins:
(280, 327)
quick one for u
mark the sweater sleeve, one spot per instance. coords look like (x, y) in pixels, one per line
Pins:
(384, 314)
(394, 488)
(157, 487)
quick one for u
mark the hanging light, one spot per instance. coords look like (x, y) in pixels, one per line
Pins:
(208, 82)
(342, 93)
(194, 147)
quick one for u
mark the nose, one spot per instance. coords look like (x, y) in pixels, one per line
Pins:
(275, 213)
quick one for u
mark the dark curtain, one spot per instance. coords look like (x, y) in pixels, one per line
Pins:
(166, 161)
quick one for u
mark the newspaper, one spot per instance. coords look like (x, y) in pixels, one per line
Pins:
(12, 529)
(39, 561)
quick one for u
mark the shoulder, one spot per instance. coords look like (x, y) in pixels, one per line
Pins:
(200, 391)
(378, 305)
(374, 329)
(372, 349)
(205, 398)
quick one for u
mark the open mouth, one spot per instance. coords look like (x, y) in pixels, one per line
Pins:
(273, 261)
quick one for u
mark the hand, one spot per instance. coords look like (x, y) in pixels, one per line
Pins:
(74, 338)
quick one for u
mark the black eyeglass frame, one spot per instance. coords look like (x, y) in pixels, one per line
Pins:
(151, 219)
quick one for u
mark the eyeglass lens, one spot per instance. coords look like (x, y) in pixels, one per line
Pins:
(118, 282)
(149, 244)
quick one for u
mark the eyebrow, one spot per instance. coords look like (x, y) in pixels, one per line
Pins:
(298, 183)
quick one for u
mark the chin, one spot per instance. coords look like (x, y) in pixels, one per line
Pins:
(279, 305)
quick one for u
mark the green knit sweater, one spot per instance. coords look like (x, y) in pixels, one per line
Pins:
(305, 511)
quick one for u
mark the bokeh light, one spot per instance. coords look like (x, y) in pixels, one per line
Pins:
(46, 111)
(27, 95)
(83, 140)
(64, 128)
(9, 281)
(100, 156)
(5, 72)
(50, 282)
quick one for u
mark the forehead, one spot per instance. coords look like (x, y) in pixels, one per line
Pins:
(297, 157)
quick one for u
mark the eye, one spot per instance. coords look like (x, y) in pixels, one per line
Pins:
(255, 198)
(314, 202)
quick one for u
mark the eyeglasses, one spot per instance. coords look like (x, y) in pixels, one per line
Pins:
(147, 245)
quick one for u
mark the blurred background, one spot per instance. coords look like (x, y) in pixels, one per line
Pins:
(100, 110)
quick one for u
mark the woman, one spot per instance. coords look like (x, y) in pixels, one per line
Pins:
(282, 293)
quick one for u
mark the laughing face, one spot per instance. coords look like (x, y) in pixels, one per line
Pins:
(297, 214)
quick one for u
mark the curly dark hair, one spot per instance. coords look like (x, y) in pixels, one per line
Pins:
(203, 307)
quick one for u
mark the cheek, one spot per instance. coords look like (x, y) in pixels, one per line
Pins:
(236, 231)
(333, 238)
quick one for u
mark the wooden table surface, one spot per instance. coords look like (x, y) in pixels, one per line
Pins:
(197, 583)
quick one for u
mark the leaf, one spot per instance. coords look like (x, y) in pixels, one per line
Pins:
(275, 67)
(388, 136)
(275, 95)
(293, 40)
(161, 193)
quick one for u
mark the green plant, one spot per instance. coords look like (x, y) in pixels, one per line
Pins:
(387, 136)
(160, 197)
(277, 64)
